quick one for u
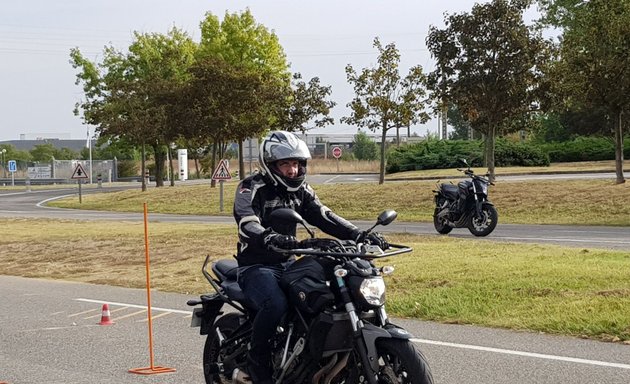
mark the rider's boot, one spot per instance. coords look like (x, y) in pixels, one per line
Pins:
(259, 371)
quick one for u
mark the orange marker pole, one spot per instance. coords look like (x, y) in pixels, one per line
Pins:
(152, 369)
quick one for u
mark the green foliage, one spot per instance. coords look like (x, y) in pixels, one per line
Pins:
(127, 168)
(592, 70)
(11, 153)
(46, 152)
(383, 100)
(488, 63)
(364, 148)
(442, 154)
(519, 154)
(584, 149)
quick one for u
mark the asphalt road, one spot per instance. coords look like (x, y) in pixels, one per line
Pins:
(32, 205)
(49, 331)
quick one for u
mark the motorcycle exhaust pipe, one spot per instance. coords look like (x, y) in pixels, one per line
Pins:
(240, 377)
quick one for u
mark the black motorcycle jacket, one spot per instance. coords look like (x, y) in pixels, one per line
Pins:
(256, 197)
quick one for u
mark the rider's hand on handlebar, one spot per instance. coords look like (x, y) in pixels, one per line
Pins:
(277, 240)
(373, 238)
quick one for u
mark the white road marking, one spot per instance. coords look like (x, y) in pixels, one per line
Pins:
(128, 315)
(525, 354)
(84, 312)
(155, 317)
(331, 179)
(425, 341)
(565, 240)
(135, 306)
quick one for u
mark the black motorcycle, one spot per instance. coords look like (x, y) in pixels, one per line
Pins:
(336, 331)
(465, 205)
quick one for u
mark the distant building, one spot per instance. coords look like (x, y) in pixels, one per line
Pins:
(27, 145)
(320, 144)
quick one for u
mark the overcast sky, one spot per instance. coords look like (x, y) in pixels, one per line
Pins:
(37, 90)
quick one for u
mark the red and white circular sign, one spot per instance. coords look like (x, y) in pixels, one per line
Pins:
(336, 152)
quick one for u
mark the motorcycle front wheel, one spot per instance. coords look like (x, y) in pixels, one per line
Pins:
(440, 226)
(212, 353)
(484, 225)
(399, 363)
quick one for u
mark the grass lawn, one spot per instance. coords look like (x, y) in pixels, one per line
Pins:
(571, 291)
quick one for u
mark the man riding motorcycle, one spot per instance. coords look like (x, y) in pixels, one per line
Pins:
(280, 184)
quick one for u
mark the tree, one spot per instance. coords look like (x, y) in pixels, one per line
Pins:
(363, 147)
(593, 70)
(461, 126)
(129, 95)
(383, 99)
(488, 64)
(223, 98)
(242, 42)
(308, 103)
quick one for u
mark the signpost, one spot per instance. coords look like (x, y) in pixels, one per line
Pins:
(78, 174)
(12, 169)
(336, 152)
(222, 173)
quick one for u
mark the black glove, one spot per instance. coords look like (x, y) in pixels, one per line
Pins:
(280, 241)
(373, 238)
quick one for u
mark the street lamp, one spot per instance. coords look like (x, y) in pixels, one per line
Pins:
(4, 168)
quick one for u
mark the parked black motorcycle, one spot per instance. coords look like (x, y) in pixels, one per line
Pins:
(336, 331)
(465, 205)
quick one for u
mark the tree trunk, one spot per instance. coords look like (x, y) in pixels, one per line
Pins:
(171, 174)
(489, 150)
(213, 163)
(143, 162)
(160, 159)
(619, 148)
(381, 177)
(241, 161)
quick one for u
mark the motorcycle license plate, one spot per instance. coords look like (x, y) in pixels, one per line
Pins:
(196, 317)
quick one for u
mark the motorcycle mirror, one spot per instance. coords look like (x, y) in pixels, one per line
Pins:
(288, 215)
(386, 217)
(464, 161)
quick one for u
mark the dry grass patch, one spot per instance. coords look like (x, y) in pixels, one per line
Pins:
(519, 286)
(585, 202)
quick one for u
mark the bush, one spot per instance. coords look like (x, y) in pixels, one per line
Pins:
(127, 168)
(440, 154)
(583, 148)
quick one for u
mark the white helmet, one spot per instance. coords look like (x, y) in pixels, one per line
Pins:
(283, 145)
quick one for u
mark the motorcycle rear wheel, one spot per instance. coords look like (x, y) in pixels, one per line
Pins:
(483, 226)
(440, 226)
(211, 351)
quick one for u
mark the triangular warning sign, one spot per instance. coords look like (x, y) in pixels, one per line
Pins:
(79, 173)
(222, 172)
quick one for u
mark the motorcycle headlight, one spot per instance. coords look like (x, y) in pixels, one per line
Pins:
(373, 290)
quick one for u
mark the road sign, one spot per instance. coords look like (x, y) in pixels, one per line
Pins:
(79, 173)
(336, 152)
(222, 172)
(12, 166)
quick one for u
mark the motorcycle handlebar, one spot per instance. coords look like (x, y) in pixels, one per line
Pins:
(398, 249)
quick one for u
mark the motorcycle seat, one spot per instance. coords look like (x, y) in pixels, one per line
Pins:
(226, 269)
(449, 188)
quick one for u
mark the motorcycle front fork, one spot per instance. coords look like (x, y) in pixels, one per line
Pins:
(357, 325)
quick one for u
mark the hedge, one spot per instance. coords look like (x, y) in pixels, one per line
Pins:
(440, 154)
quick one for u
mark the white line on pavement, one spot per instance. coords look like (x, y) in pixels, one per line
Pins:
(526, 354)
(135, 306)
(425, 341)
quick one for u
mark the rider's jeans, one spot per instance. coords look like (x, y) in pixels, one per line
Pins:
(261, 285)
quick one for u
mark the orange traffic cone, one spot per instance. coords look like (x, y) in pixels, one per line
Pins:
(105, 320)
